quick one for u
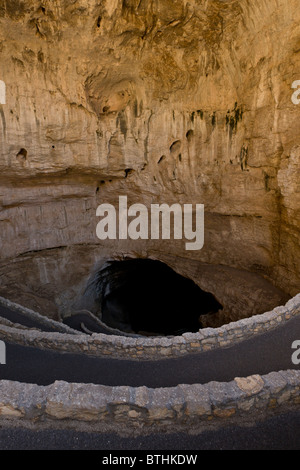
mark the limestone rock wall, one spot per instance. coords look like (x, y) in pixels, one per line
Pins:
(165, 101)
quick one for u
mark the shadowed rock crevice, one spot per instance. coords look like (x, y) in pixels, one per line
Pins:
(148, 297)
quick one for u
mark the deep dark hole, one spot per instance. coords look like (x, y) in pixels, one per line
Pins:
(189, 135)
(128, 171)
(23, 153)
(148, 297)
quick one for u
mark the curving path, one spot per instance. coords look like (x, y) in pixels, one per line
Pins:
(261, 354)
(276, 433)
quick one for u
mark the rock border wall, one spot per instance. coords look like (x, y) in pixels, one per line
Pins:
(153, 348)
(196, 406)
(61, 327)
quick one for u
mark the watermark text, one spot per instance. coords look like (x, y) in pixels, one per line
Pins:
(2, 92)
(2, 352)
(296, 94)
(188, 222)
(296, 354)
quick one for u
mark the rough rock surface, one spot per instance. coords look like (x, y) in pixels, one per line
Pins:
(165, 101)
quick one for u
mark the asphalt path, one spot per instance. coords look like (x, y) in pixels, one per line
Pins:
(17, 317)
(260, 354)
(280, 432)
(74, 322)
(86, 323)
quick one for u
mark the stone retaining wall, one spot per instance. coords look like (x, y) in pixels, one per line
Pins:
(121, 409)
(196, 405)
(61, 327)
(158, 347)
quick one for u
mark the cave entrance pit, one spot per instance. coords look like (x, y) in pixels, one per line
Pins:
(147, 297)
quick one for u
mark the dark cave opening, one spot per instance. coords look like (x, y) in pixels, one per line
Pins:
(148, 297)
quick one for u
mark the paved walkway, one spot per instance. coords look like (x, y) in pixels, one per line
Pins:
(277, 433)
(261, 354)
